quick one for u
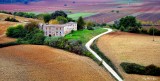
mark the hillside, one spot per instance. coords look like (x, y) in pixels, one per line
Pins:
(133, 48)
(5, 24)
(42, 63)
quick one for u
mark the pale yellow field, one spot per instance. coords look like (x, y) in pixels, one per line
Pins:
(134, 48)
(43, 63)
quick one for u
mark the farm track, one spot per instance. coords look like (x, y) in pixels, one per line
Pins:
(88, 44)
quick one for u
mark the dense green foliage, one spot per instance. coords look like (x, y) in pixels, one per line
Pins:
(132, 68)
(8, 44)
(154, 30)
(58, 13)
(46, 18)
(25, 14)
(11, 19)
(16, 32)
(31, 26)
(80, 23)
(29, 34)
(74, 46)
(128, 24)
(61, 19)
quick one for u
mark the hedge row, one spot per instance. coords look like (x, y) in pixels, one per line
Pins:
(132, 68)
(74, 46)
(9, 44)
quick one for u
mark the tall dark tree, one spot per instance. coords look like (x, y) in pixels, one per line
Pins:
(58, 13)
(80, 23)
(128, 21)
(47, 18)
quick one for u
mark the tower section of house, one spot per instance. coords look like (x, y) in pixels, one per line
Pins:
(58, 29)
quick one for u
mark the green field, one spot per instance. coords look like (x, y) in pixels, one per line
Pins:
(75, 16)
(85, 35)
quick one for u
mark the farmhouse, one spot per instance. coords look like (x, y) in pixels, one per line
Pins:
(58, 29)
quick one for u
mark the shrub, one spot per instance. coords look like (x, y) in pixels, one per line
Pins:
(152, 70)
(31, 26)
(133, 29)
(16, 32)
(70, 20)
(122, 28)
(58, 13)
(37, 39)
(9, 44)
(61, 20)
(144, 31)
(49, 40)
(11, 19)
(90, 28)
(74, 46)
(46, 18)
(156, 31)
(25, 14)
(35, 36)
(132, 68)
(80, 23)
(53, 22)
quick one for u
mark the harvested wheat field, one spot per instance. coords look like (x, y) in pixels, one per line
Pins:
(133, 48)
(3, 27)
(43, 63)
(21, 19)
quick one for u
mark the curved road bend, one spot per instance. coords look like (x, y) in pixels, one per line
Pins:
(88, 44)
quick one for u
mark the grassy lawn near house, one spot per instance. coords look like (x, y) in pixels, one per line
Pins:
(75, 16)
(85, 35)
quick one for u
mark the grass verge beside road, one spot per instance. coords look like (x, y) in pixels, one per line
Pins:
(84, 35)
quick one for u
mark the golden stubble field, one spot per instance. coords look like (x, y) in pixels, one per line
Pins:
(43, 63)
(134, 48)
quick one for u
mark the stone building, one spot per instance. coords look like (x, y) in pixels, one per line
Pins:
(58, 29)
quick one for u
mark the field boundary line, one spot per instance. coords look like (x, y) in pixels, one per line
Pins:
(106, 66)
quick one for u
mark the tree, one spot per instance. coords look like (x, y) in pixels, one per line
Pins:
(38, 38)
(80, 23)
(16, 32)
(128, 21)
(130, 24)
(30, 26)
(61, 20)
(53, 21)
(58, 13)
(46, 18)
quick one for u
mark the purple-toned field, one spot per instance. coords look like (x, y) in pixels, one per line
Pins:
(106, 17)
(150, 9)
(154, 17)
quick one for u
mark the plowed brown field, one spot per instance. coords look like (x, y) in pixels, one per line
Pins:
(134, 48)
(42, 63)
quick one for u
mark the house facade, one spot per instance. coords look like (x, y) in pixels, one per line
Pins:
(58, 29)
